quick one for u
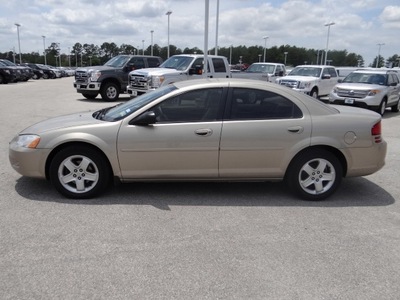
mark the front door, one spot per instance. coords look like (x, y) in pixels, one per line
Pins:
(183, 144)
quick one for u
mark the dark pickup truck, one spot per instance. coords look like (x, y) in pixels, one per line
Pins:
(111, 79)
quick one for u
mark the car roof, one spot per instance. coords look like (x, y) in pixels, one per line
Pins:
(315, 66)
(367, 71)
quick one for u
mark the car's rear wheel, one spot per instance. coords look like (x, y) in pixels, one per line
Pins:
(45, 76)
(109, 92)
(315, 174)
(79, 172)
(90, 96)
(396, 107)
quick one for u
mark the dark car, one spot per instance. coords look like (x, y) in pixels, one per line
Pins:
(26, 72)
(47, 72)
(7, 74)
(37, 72)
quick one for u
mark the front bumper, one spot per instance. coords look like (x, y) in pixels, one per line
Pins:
(367, 102)
(28, 162)
(83, 87)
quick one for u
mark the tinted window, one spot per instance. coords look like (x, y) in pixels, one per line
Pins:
(194, 106)
(250, 104)
(332, 72)
(153, 62)
(219, 65)
(138, 62)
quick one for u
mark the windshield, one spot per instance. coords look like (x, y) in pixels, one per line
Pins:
(117, 61)
(366, 78)
(177, 62)
(7, 63)
(261, 68)
(306, 71)
(121, 111)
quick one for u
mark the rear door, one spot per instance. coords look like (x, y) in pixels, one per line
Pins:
(261, 133)
(394, 89)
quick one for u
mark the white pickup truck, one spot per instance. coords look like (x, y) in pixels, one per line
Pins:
(314, 80)
(176, 68)
(265, 71)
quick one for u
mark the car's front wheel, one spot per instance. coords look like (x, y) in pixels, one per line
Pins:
(314, 174)
(314, 93)
(79, 172)
(382, 107)
(109, 92)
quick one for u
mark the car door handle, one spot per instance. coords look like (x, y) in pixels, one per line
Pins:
(204, 132)
(296, 129)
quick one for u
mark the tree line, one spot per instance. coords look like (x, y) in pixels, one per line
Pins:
(89, 54)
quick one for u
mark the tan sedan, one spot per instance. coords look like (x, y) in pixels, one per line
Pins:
(211, 129)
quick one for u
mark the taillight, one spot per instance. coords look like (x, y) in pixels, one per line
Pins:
(376, 132)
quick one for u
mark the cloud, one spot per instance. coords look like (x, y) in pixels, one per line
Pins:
(390, 17)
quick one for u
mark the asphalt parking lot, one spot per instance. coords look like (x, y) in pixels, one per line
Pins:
(191, 240)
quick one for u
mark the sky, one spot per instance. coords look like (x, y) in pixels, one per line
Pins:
(359, 25)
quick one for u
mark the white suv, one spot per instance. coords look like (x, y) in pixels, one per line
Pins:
(372, 89)
(314, 80)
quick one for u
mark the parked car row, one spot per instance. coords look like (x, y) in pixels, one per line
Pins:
(10, 72)
(370, 88)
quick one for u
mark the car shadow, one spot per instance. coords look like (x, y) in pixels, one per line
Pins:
(98, 99)
(353, 192)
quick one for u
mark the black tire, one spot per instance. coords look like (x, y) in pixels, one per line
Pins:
(90, 96)
(109, 92)
(45, 76)
(396, 107)
(314, 174)
(382, 107)
(2, 80)
(314, 93)
(79, 172)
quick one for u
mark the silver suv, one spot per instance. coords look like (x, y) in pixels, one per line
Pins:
(372, 89)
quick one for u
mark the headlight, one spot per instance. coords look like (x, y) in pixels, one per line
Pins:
(27, 140)
(373, 92)
(304, 85)
(7, 71)
(156, 81)
(94, 75)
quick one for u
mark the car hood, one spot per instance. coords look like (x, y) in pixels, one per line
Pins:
(72, 120)
(299, 78)
(359, 86)
(156, 71)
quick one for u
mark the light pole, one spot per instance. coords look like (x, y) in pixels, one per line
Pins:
(379, 53)
(168, 14)
(152, 31)
(286, 53)
(265, 46)
(19, 44)
(259, 57)
(142, 47)
(327, 40)
(230, 54)
(216, 29)
(44, 49)
(69, 56)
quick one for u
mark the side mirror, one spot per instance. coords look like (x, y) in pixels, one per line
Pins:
(145, 119)
(196, 70)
